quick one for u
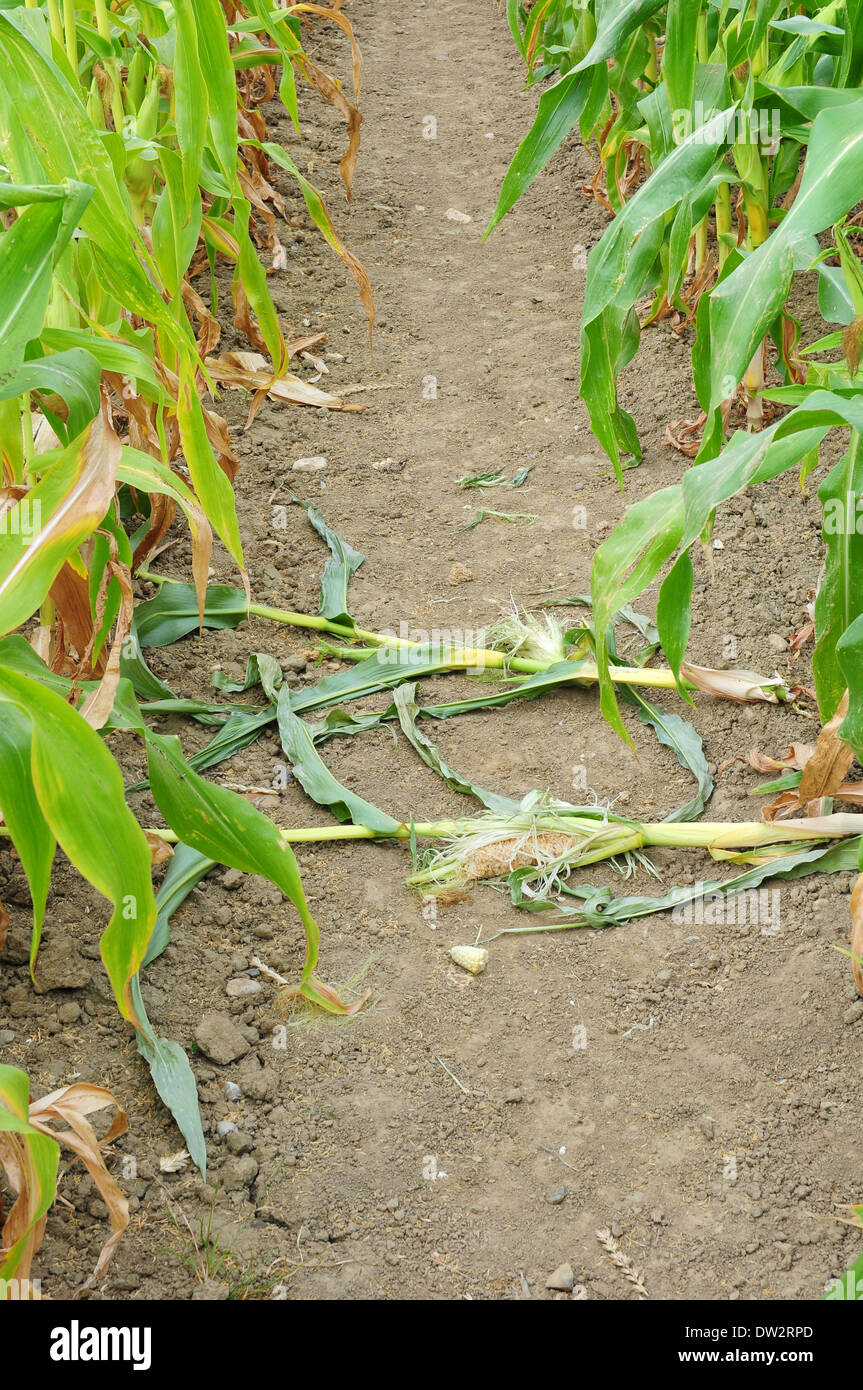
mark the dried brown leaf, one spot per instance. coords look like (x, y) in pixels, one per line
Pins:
(826, 769)
(160, 850)
(745, 687)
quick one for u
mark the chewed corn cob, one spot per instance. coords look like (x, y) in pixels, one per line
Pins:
(553, 839)
(471, 958)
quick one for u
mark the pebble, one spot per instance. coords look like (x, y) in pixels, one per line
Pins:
(233, 1091)
(453, 215)
(556, 1197)
(707, 1125)
(777, 643)
(513, 1097)
(854, 1013)
(232, 879)
(562, 1278)
(239, 988)
(315, 464)
(225, 1127)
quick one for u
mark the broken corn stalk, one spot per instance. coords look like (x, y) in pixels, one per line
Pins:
(493, 845)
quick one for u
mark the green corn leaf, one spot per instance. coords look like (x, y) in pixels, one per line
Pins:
(316, 779)
(68, 146)
(73, 375)
(80, 793)
(22, 814)
(224, 827)
(559, 109)
(173, 612)
(839, 600)
(54, 517)
(344, 562)
(185, 869)
(685, 742)
(849, 654)
(742, 306)
(174, 1081)
(600, 910)
(408, 710)
(678, 63)
(211, 485)
(26, 266)
(616, 23)
(620, 271)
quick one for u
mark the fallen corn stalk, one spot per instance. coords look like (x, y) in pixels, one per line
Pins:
(491, 845)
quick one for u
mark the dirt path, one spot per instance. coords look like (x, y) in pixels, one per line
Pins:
(692, 1087)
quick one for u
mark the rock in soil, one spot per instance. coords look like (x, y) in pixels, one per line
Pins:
(219, 1039)
(562, 1278)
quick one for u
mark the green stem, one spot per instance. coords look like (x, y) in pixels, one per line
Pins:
(500, 661)
(651, 70)
(722, 207)
(635, 835)
(55, 22)
(701, 50)
(458, 659)
(103, 24)
(700, 244)
(70, 34)
(27, 445)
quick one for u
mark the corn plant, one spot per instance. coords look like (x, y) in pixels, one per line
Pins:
(133, 157)
(665, 525)
(30, 1155)
(717, 103)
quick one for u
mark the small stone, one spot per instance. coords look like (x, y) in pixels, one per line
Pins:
(6, 1036)
(225, 1127)
(707, 1125)
(562, 1278)
(663, 977)
(460, 574)
(220, 1040)
(242, 986)
(69, 1012)
(513, 1097)
(315, 464)
(777, 643)
(453, 215)
(296, 662)
(854, 1012)
(555, 1198)
(232, 879)
(233, 1091)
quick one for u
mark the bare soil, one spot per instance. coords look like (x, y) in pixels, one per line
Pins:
(706, 1115)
